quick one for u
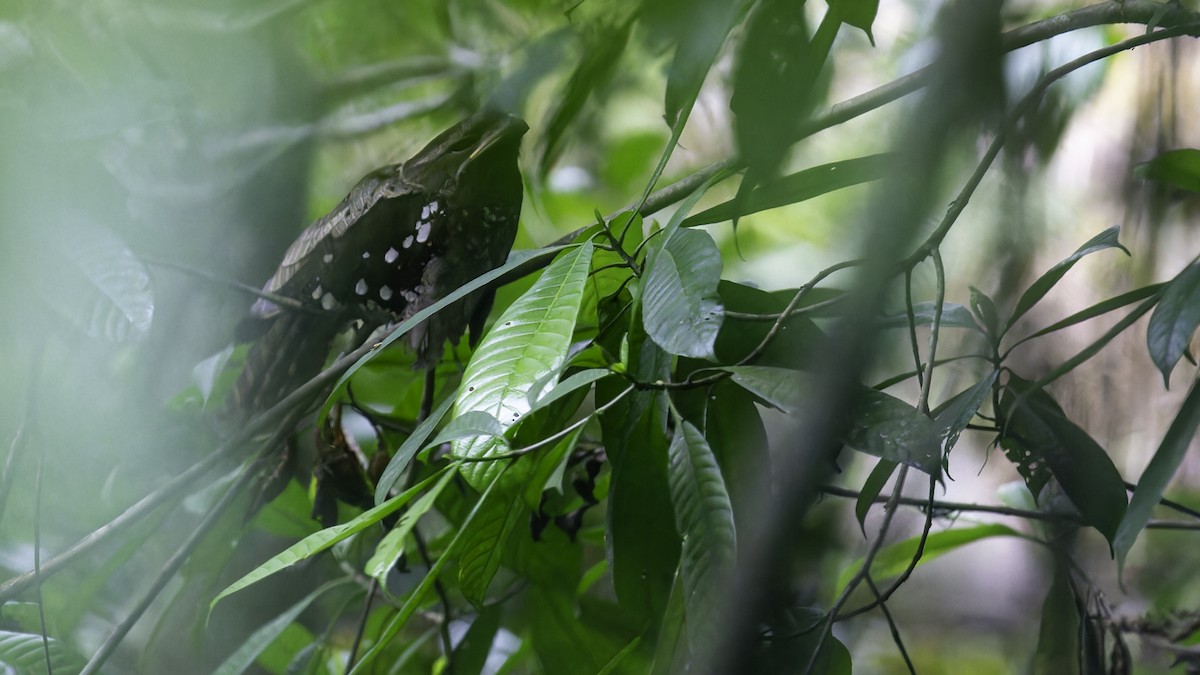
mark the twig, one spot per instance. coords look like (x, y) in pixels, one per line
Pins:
(895, 630)
(934, 331)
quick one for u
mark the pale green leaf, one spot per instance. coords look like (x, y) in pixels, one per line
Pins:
(390, 548)
(681, 309)
(892, 560)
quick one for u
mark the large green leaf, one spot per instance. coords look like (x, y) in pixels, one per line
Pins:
(893, 559)
(244, 656)
(1158, 474)
(1104, 240)
(884, 426)
(680, 305)
(391, 547)
(483, 546)
(319, 541)
(1081, 466)
(1174, 321)
(527, 345)
(704, 519)
(1180, 168)
(471, 653)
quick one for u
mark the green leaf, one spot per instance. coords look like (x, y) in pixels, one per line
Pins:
(670, 654)
(884, 426)
(892, 560)
(549, 468)
(680, 305)
(1180, 168)
(953, 316)
(469, 425)
(792, 346)
(779, 387)
(1105, 240)
(985, 310)
(1174, 321)
(471, 653)
(870, 490)
(954, 415)
(483, 545)
(799, 187)
(701, 27)
(1058, 638)
(391, 547)
(412, 445)
(584, 378)
(704, 519)
(528, 344)
(1158, 474)
(99, 284)
(244, 657)
(1080, 465)
(319, 541)
(26, 653)
(857, 13)
(1098, 309)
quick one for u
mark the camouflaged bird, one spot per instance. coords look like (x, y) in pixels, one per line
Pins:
(406, 236)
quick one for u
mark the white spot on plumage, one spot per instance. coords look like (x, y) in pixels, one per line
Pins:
(433, 206)
(407, 241)
(361, 287)
(328, 302)
(391, 255)
(385, 293)
(366, 254)
(423, 232)
(316, 294)
(327, 258)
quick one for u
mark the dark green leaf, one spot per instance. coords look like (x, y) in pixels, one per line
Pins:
(412, 445)
(484, 543)
(779, 387)
(884, 426)
(1105, 240)
(528, 344)
(1158, 474)
(1180, 168)
(1058, 638)
(704, 519)
(471, 653)
(870, 490)
(791, 347)
(1174, 321)
(800, 186)
(680, 305)
(1099, 309)
(735, 432)
(985, 310)
(857, 13)
(953, 316)
(1080, 465)
(702, 27)
(954, 415)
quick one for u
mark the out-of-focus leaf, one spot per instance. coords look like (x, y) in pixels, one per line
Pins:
(528, 344)
(893, 559)
(704, 519)
(483, 545)
(1174, 321)
(870, 490)
(798, 337)
(985, 310)
(805, 626)
(779, 387)
(412, 445)
(26, 653)
(800, 186)
(103, 289)
(702, 27)
(319, 541)
(884, 426)
(857, 13)
(602, 49)
(955, 414)
(391, 547)
(1058, 638)
(1158, 474)
(471, 653)
(953, 316)
(1080, 465)
(1180, 168)
(244, 656)
(1036, 291)
(680, 305)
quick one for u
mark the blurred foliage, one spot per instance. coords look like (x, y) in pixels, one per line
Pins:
(647, 481)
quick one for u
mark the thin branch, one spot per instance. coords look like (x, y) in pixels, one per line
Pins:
(895, 630)
(934, 330)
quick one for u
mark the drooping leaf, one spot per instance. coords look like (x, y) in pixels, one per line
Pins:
(893, 559)
(244, 656)
(103, 288)
(1058, 638)
(985, 311)
(1158, 474)
(870, 490)
(1174, 321)
(483, 546)
(528, 344)
(471, 653)
(857, 13)
(701, 29)
(1180, 168)
(955, 414)
(704, 519)
(1036, 291)
(1081, 466)
(412, 445)
(735, 432)
(391, 547)
(584, 378)
(319, 541)
(884, 426)
(680, 305)
(26, 653)
(799, 187)
(953, 316)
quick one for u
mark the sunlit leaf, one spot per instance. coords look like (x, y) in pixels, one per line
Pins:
(704, 518)
(680, 305)
(1105, 240)
(528, 344)
(391, 547)
(1158, 474)
(1180, 168)
(1081, 466)
(1174, 321)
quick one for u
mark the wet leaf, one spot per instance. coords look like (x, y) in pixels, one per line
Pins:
(680, 305)
(884, 426)
(1174, 321)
